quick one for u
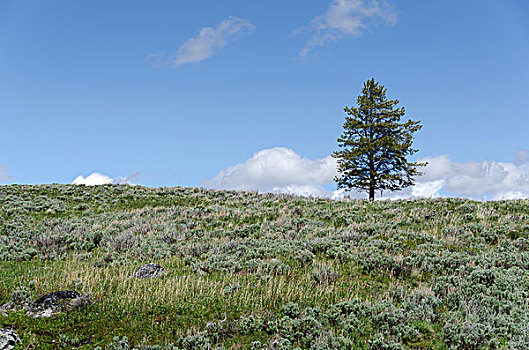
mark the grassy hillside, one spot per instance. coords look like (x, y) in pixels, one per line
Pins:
(249, 271)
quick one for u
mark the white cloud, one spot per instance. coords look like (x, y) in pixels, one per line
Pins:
(483, 180)
(208, 42)
(429, 189)
(278, 170)
(5, 174)
(100, 179)
(347, 18)
(281, 170)
(303, 190)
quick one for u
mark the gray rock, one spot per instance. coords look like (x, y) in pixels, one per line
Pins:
(52, 303)
(8, 339)
(149, 271)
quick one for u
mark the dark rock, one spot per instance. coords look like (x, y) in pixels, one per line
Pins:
(8, 339)
(150, 271)
(52, 303)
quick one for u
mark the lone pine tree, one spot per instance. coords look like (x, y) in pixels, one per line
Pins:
(375, 143)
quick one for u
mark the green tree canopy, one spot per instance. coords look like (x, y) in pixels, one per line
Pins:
(375, 144)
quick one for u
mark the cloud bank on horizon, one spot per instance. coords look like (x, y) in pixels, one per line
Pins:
(205, 44)
(282, 170)
(100, 179)
(347, 18)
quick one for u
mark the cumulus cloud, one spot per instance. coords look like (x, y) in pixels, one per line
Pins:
(427, 189)
(100, 179)
(281, 170)
(483, 180)
(303, 190)
(5, 174)
(205, 44)
(347, 18)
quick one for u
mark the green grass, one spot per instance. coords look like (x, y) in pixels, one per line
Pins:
(439, 273)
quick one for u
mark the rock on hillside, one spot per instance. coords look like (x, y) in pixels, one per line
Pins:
(8, 339)
(52, 303)
(150, 270)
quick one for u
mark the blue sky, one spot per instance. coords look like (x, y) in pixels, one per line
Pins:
(183, 92)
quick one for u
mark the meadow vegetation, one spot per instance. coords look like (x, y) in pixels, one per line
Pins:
(263, 271)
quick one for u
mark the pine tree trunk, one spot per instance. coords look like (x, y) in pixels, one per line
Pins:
(372, 172)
